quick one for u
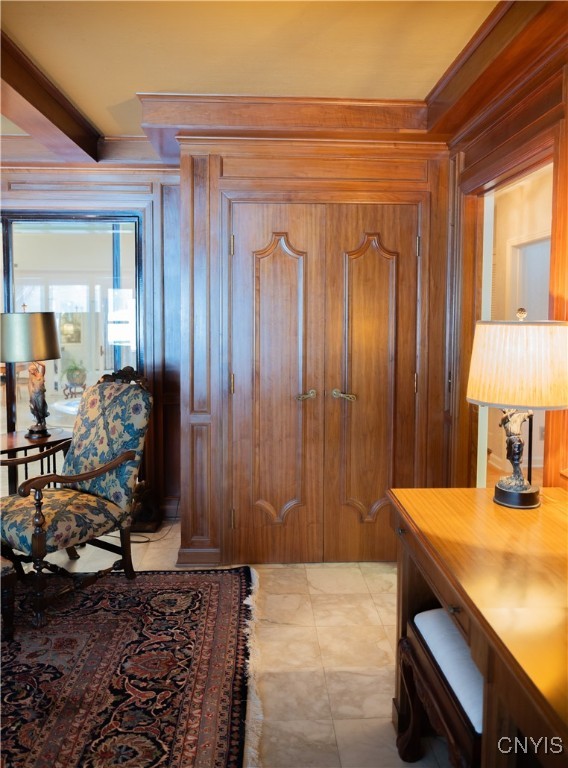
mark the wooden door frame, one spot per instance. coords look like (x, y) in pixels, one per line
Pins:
(217, 171)
(515, 160)
(235, 196)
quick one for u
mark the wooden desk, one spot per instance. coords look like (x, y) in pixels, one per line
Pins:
(13, 443)
(502, 573)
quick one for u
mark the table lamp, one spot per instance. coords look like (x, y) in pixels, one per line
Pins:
(31, 336)
(519, 367)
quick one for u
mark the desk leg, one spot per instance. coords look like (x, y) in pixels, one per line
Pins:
(401, 704)
(498, 732)
(514, 733)
(413, 595)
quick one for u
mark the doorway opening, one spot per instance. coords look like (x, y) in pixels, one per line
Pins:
(516, 273)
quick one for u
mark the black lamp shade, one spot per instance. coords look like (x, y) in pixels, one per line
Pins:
(28, 336)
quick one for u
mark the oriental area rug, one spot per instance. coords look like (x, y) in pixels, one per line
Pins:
(132, 674)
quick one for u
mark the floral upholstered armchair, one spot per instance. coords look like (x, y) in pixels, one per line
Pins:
(93, 494)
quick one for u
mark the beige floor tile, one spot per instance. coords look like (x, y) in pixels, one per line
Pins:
(285, 647)
(343, 610)
(379, 579)
(299, 744)
(169, 533)
(354, 646)
(382, 567)
(386, 606)
(282, 581)
(392, 635)
(160, 552)
(90, 559)
(369, 743)
(295, 609)
(298, 694)
(360, 692)
(157, 560)
(336, 581)
(138, 554)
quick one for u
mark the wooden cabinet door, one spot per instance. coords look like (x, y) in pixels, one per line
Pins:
(276, 355)
(370, 353)
(323, 298)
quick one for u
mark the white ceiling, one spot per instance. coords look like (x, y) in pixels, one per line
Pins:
(101, 53)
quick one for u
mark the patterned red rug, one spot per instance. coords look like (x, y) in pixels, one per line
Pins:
(132, 674)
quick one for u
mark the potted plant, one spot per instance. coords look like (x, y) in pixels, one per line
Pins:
(75, 372)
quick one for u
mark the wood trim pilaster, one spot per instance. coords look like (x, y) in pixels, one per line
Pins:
(201, 491)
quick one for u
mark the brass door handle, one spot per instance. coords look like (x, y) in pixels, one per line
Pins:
(311, 393)
(345, 395)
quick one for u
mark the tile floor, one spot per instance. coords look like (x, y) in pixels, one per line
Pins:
(324, 661)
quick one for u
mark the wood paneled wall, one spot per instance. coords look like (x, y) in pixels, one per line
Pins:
(498, 112)
(218, 172)
(155, 195)
(516, 122)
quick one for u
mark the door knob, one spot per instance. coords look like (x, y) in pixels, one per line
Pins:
(345, 395)
(307, 395)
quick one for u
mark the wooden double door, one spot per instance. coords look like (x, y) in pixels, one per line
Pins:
(323, 357)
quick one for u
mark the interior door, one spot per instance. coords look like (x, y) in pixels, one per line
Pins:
(323, 308)
(277, 337)
(370, 361)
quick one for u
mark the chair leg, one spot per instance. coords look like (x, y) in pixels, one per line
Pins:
(127, 553)
(72, 553)
(39, 551)
(8, 605)
(39, 618)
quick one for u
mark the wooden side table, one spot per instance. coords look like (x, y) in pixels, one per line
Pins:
(13, 443)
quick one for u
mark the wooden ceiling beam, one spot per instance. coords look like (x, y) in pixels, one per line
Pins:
(36, 106)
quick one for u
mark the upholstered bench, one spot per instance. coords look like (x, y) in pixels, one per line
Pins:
(444, 686)
(8, 579)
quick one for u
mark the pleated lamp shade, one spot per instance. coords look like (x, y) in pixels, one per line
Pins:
(28, 337)
(519, 365)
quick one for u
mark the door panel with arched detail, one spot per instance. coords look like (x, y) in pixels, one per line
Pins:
(370, 348)
(277, 297)
(323, 306)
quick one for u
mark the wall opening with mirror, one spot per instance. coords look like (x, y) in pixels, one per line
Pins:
(86, 269)
(516, 273)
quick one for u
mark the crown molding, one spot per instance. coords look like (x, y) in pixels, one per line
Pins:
(167, 116)
(521, 45)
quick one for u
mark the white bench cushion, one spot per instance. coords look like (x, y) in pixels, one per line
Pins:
(453, 656)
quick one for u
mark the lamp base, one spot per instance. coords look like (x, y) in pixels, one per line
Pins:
(528, 499)
(37, 432)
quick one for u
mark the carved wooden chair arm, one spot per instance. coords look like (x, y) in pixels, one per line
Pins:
(37, 483)
(62, 446)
